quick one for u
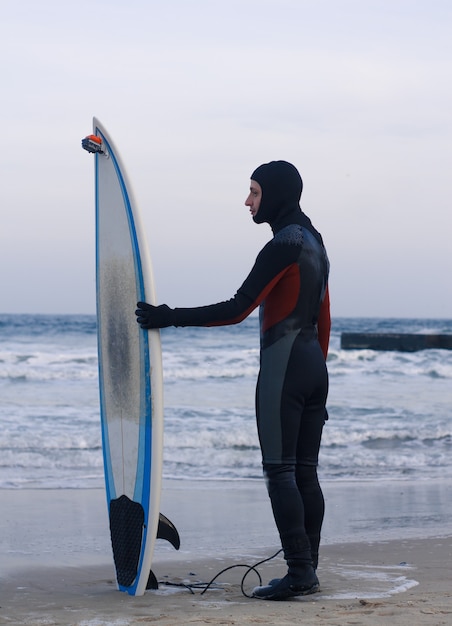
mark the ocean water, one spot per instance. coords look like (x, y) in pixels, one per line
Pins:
(390, 413)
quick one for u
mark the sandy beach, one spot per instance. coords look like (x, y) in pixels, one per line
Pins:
(386, 558)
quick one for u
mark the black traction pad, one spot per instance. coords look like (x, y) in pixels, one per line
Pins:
(126, 530)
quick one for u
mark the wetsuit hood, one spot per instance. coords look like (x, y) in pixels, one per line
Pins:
(281, 186)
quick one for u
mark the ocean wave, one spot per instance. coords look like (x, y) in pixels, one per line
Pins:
(46, 366)
(372, 363)
(206, 373)
(390, 413)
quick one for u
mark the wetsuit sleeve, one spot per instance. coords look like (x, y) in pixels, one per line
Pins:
(231, 311)
(324, 323)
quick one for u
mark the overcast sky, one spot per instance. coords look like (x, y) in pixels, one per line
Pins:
(356, 93)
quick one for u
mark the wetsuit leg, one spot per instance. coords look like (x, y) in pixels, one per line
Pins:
(288, 511)
(314, 507)
(294, 432)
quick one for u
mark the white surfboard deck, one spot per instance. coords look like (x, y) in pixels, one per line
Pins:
(130, 372)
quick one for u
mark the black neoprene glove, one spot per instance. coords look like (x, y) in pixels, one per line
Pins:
(150, 316)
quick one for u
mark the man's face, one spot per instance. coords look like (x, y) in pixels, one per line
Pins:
(254, 199)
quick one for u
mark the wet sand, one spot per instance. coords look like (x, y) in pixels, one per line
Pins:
(386, 557)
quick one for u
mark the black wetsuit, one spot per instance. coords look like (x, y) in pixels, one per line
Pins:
(289, 281)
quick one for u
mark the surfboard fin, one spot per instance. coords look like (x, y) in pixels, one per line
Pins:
(92, 143)
(152, 581)
(167, 530)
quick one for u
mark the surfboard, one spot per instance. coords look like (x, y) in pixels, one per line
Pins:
(130, 373)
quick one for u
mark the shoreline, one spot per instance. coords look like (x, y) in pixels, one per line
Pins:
(386, 557)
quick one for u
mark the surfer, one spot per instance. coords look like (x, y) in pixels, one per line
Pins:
(289, 282)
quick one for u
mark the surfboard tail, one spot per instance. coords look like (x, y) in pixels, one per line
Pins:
(126, 526)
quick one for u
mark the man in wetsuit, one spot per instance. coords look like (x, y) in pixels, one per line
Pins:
(289, 282)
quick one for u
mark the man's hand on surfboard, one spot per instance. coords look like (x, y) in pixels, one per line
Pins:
(150, 316)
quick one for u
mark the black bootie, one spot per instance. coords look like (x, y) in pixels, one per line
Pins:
(300, 579)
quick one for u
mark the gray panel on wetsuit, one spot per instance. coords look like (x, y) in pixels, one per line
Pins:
(271, 381)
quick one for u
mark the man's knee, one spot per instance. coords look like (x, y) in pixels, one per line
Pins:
(279, 475)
